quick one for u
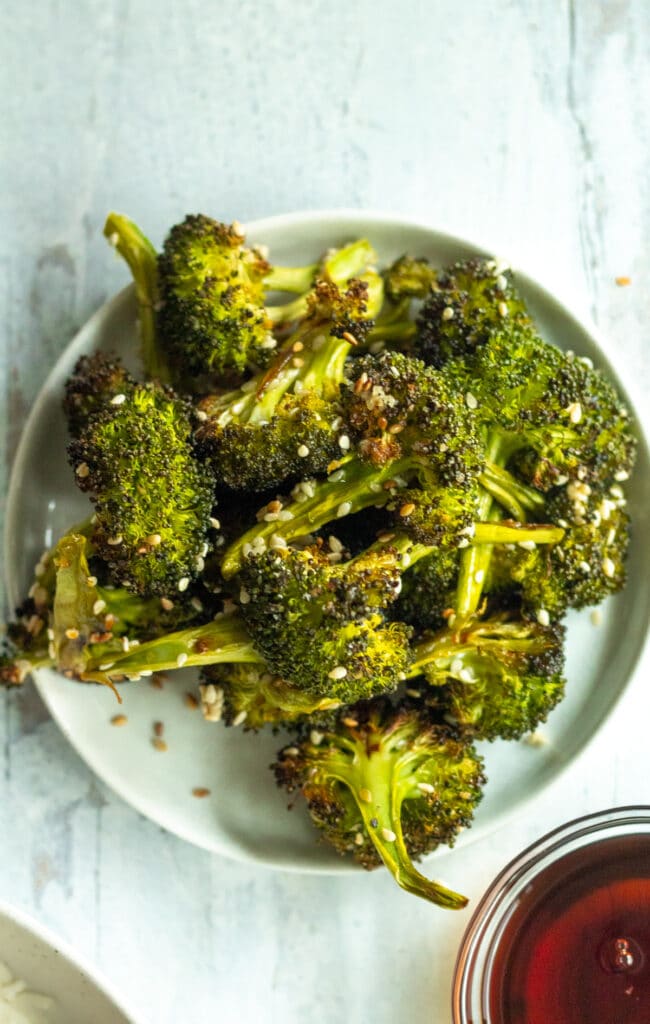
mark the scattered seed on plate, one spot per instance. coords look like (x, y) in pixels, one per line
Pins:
(119, 720)
(159, 744)
(200, 791)
(190, 701)
(158, 728)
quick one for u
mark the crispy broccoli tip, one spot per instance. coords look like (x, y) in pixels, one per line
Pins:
(387, 785)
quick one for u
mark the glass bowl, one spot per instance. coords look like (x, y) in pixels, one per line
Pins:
(562, 936)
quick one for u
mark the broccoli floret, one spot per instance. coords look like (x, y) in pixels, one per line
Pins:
(409, 278)
(411, 426)
(320, 625)
(152, 497)
(472, 300)
(387, 784)
(428, 590)
(94, 383)
(499, 677)
(585, 567)
(286, 422)
(249, 696)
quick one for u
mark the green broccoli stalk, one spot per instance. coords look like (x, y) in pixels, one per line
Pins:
(387, 785)
(498, 677)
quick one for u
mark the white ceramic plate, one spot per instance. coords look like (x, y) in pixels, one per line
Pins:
(245, 816)
(49, 968)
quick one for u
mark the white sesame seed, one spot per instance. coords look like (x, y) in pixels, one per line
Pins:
(114, 541)
(201, 415)
(154, 539)
(269, 342)
(340, 672)
(616, 491)
(99, 606)
(183, 583)
(543, 617)
(166, 604)
(344, 442)
(609, 567)
(82, 470)
(479, 575)
(596, 617)
(105, 667)
(448, 313)
(575, 412)
(316, 737)
(527, 545)
(344, 509)
(209, 693)
(365, 795)
(622, 475)
(72, 634)
(240, 718)
(466, 676)
(358, 839)
(471, 401)
(584, 567)
(335, 544)
(463, 543)
(271, 517)
(501, 282)
(285, 516)
(214, 523)
(125, 644)
(303, 451)
(118, 399)
(503, 308)
(611, 537)
(425, 787)
(291, 751)
(246, 550)
(388, 835)
(181, 659)
(277, 542)
(244, 596)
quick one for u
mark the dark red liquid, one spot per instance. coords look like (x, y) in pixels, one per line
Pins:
(576, 949)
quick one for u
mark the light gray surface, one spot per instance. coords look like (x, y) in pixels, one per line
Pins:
(524, 125)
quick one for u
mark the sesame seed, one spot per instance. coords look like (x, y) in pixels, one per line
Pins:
(244, 596)
(105, 667)
(344, 509)
(358, 839)
(240, 718)
(466, 676)
(190, 701)
(448, 313)
(126, 645)
(99, 606)
(82, 470)
(611, 537)
(425, 787)
(181, 659)
(543, 617)
(456, 666)
(154, 539)
(365, 795)
(527, 545)
(166, 604)
(201, 415)
(503, 308)
(114, 541)
(623, 281)
(290, 752)
(471, 401)
(118, 399)
(596, 617)
(335, 544)
(285, 516)
(72, 634)
(214, 523)
(119, 720)
(200, 792)
(183, 583)
(622, 475)
(501, 282)
(407, 508)
(608, 567)
(479, 575)
(340, 672)
(303, 451)
(271, 517)
(584, 567)
(344, 442)
(297, 362)
(536, 739)
(209, 693)
(158, 744)
(388, 835)
(158, 728)
(316, 737)
(277, 542)
(575, 412)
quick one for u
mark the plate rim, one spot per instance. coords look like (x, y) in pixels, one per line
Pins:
(62, 948)
(255, 229)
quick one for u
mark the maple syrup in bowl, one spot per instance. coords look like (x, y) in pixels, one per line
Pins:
(562, 936)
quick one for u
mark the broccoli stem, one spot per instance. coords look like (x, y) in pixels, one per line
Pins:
(141, 257)
(450, 656)
(382, 816)
(222, 640)
(514, 496)
(339, 266)
(291, 279)
(354, 486)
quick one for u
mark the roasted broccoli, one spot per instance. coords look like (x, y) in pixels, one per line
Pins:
(152, 497)
(248, 695)
(499, 677)
(387, 784)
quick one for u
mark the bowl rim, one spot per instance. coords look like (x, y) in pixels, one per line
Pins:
(481, 934)
(327, 219)
(61, 948)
